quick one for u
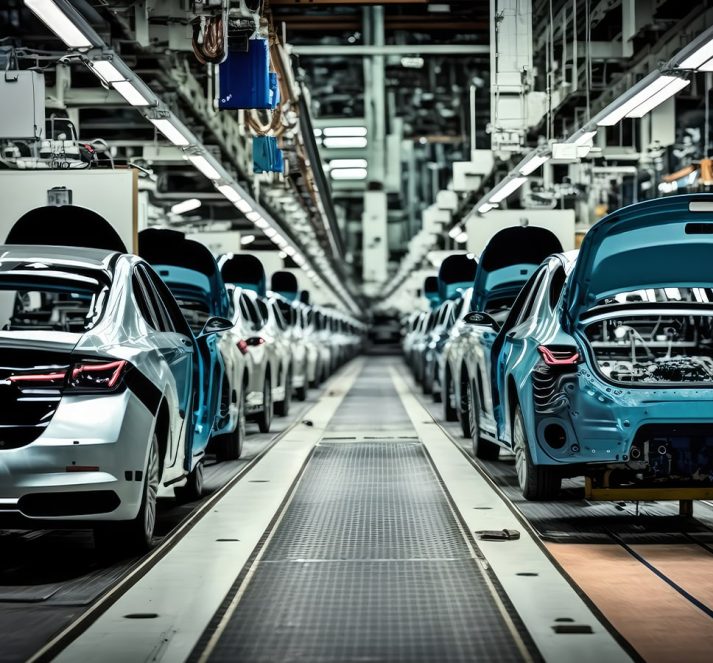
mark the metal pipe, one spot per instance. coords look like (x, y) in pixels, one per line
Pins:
(394, 49)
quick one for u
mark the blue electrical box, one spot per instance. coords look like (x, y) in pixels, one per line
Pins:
(267, 157)
(246, 80)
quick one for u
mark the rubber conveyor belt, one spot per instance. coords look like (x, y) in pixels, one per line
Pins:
(368, 561)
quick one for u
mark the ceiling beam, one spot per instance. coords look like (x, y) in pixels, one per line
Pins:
(394, 49)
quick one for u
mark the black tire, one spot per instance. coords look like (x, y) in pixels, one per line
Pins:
(135, 536)
(463, 409)
(427, 383)
(537, 482)
(193, 490)
(282, 408)
(449, 396)
(483, 449)
(264, 419)
(230, 445)
(436, 390)
(301, 392)
(314, 384)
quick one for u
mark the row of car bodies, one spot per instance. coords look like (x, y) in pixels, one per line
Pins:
(594, 363)
(121, 372)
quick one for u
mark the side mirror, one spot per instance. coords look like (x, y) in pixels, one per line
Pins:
(215, 325)
(481, 318)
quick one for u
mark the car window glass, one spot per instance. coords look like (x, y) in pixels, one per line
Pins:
(168, 301)
(162, 318)
(527, 309)
(556, 285)
(143, 301)
(279, 319)
(262, 310)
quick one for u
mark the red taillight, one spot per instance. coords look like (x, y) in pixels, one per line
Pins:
(559, 356)
(40, 379)
(243, 346)
(96, 376)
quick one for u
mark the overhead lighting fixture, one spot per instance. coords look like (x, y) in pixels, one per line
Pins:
(533, 163)
(412, 62)
(57, 21)
(231, 194)
(106, 71)
(282, 255)
(348, 173)
(509, 187)
(244, 206)
(204, 166)
(486, 207)
(698, 57)
(344, 142)
(247, 239)
(278, 239)
(270, 232)
(186, 206)
(348, 163)
(168, 129)
(454, 232)
(625, 107)
(261, 223)
(299, 259)
(586, 138)
(344, 131)
(253, 216)
(290, 251)
(462, 238)
(676, 85)
(707, 66)
(130, 93)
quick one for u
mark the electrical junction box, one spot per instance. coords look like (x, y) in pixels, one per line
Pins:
(245, 79)
(22, 105)
(267, 157)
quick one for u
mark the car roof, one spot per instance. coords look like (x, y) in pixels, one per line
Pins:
(67, 256)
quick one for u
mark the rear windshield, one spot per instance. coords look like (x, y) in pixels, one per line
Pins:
(51, 303)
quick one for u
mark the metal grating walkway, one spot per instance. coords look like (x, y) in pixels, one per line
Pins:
(368, 562)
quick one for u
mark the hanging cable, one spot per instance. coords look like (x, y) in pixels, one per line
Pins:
(209, 39)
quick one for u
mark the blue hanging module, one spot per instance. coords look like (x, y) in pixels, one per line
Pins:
(267, 157)
(246, 80)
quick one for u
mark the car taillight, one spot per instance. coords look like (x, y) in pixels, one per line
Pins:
(47, 379)
(96, 376)
(243, 346)
(561, 356)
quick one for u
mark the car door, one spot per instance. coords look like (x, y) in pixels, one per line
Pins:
(509, 345)
(175, 346)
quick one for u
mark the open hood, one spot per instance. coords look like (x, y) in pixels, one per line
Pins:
(662, 243)
(508, 261)
(187, 267)
(244, 271)
(430, 291)
(456, 275)
(285, 284)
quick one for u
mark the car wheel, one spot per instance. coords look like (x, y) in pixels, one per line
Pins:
(135, 536)
(230, 446)
(537, 482)
(436, 391)
(463, 411)
(317, 377)
(483, 449)
(282, 408)
(301, 393)
(449, 397)
(193, 490)
(264, 420)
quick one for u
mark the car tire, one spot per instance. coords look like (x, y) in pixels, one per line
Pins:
(483, 449)
(264, 419)
(463, 410)
(449, 411)
(537, 482)
(193, 490)
(301, 393)
(282, 408)
(135, 536)
(230, 445)
(314, 384)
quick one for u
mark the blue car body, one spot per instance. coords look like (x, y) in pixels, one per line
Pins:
(604, 366)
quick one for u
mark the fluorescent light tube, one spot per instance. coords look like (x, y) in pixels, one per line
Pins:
(344, 142)
(344, 131)
(348, 173)
(486, 207)
(261, 223)
(57, 21)
(533, 163)
(171, 132)
(299, 259)
(676, 85)
(508, 188)
(348, 163)
(270, 232)
(204, 166)
(454, 232)
(462, 238)
(289, 251)
(625, 107)
(186, 206)
(586, 138)
(107, 71)
(130, 93)
(231, 194)
(698, 57)
(247, 239)
(253, 216)
(278, 239)
(244, 206)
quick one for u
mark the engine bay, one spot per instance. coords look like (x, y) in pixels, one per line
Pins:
(650, 348)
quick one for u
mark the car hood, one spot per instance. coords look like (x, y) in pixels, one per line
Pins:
(508, 261)
(662, 243)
